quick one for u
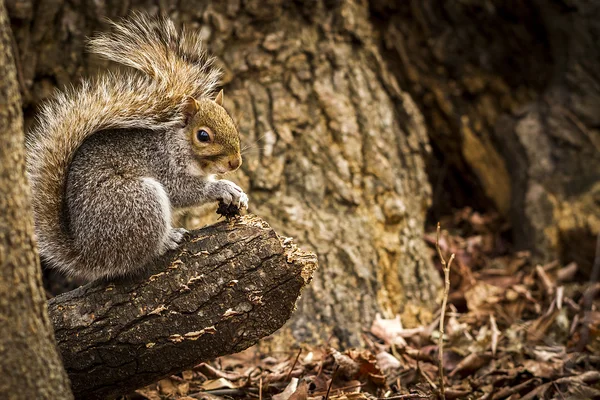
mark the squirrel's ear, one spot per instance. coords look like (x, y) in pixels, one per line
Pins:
(219, 98)
(190, 108)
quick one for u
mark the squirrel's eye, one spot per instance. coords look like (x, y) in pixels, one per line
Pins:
(203, 136)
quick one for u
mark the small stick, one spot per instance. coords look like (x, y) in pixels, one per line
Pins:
(424, 375)
(558, 390)
(341, 389)
(495, 334)
(446, 268)
(293, 365)
(546, 281)
(560, 294)
(260, 389)
(331, 382)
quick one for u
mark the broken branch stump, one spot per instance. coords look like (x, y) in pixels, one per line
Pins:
(226, 287)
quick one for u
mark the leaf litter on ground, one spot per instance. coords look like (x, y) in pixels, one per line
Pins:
(513, 330)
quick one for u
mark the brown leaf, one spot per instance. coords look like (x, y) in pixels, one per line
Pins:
(211, 372)
(218, 384)
(457, 393)
(203, 396)
(521, 387)
(320, 383)
(350, 396)
(538, 392)
(537, 330)
(567, 273)
(482, 294)
(167, 387)
(288, 391)
(542, 369)
(367, 366)
(301, 392)
(386, 361)
(451, 359)
(471, 363)
(390, 330)
(183, 388)
(149, 394)
(348, 368)
(589, 377)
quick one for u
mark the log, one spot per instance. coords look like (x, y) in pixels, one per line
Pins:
(229, 285)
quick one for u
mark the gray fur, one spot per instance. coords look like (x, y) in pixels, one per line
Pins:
(117, 185)
(110, 159)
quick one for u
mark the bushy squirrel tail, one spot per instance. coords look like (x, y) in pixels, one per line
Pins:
(155, 47)
(173, 68)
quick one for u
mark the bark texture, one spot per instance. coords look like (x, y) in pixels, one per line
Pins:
(30, 366)
(226, 287)
(337, 148)
(510, 91)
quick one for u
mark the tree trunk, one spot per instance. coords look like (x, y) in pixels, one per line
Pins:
(30, 366)
(226, 287)
(339, 148)
(511, 92)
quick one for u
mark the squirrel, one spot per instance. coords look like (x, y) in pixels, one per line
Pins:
(110, 160)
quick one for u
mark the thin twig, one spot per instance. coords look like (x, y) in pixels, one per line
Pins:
(260, 389)
(293, 365)
(446, 268)
(331, 382)
(223, 392)
(340, 389)
(558, 390)
(426, 377)
(495, 334)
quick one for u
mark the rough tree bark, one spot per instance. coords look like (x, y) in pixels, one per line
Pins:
(30, 366)
(511, 92)
(226, 287)
(339, 152)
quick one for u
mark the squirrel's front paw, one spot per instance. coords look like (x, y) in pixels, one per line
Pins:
(230, 193)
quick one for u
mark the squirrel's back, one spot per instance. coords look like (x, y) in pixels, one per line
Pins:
(171, 68)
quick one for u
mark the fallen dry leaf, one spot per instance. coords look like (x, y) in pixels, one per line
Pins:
(218, 384)
(471, 363)
(386, 361)
(388, 330)
(288, 391)
(481, 295)
(301, 392)
(167, 387)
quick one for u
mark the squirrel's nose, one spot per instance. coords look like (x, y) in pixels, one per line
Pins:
(235, 163)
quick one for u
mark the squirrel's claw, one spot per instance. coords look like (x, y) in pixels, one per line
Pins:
(230, 193)
(243, 201)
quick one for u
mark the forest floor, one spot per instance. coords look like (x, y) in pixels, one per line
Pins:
(514, 330)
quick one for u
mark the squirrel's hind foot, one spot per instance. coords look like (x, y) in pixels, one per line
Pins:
(174, 238)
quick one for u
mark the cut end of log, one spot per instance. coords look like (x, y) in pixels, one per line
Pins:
(229, 285)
